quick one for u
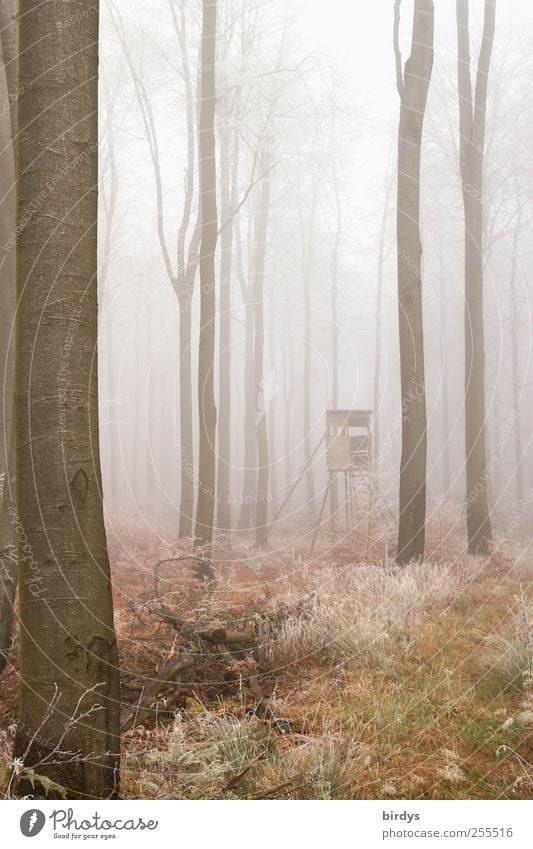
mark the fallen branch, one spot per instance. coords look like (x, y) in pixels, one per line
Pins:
(214, 634)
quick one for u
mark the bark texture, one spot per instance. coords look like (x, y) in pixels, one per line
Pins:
(261, 401)
(413, 88)
(206, 355)
(69, 697)
(8, 119)
(472, 110)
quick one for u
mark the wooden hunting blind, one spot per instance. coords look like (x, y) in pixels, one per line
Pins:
(348, 453)
(348, 439)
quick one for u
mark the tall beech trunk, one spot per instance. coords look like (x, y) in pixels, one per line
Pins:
(182, 276)
(472, 109)
(376, 447)
(67, 642)
(229, 169)
(289, 391)
(272, 432)
(186, 460)
(208, 201)
(8, 129)
(413, 86)
(307, 262)
(183, 284)
(334, 297)
(263, 460)
(515, 365)
(446, 448)
(250, 444)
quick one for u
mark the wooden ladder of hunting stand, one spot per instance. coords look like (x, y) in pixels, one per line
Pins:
(348, 440)
(348, 453)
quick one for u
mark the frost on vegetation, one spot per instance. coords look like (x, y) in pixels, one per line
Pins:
(510, 653)
(355, 612)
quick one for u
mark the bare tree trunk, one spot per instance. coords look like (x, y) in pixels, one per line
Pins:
(446, 458)
(250, 445)
(515, 369)
(206, 355)
(8, 129)
(413, 89)
(334, 402)
(288, 399)
(183, 278)
(186, 429)
(263, 459)
(183, 285)
(472, 143)
(307, 260)
(228, 184)
(379, 298)
(68, 656)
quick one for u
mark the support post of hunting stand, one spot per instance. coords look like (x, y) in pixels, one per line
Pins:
(348, 439)
(348, 451)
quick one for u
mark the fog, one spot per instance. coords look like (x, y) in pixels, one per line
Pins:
(318, 79)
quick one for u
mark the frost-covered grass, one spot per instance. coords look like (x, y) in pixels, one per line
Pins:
(510, 651)
(382, 674)
(355, 612)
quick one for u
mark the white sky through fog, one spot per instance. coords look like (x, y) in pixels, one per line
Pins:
(356, 36)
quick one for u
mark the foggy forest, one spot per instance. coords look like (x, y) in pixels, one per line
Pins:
(267, 399)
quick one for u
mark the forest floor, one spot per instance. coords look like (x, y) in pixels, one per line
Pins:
(380, 682)
(354, 679)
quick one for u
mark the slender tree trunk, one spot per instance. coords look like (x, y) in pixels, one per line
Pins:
(472, 143)
(288, 396)
(224, 358)
(208, 200)
(186, 429)
(250, 445)
(377, 338)
(263, 459)
(334, 402)
(306, 418)
(8, 124)
(515, 367)
(137, 447)
(184, 288)
(68, 653)
(272, 433)
(446, 458)
(413, 90)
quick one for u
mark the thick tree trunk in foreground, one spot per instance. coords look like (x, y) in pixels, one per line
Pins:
(472, 145)
(68, 655)
(413, 90)
(8, 121)
(206, 357)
